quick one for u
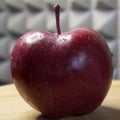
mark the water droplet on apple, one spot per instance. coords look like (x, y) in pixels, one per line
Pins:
(63, 39)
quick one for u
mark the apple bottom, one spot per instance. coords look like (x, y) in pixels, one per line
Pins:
(55, 102)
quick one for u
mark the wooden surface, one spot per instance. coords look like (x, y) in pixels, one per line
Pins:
(13, 107)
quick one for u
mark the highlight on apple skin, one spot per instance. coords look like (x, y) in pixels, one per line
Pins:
(61, 74)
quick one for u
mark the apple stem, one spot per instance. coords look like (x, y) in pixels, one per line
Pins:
(57, 15)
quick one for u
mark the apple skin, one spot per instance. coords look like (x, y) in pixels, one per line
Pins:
(62, 74)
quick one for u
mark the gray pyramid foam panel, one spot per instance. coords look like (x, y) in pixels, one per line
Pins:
(20, 16)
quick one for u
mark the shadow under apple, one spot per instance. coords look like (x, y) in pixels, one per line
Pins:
(101, 113)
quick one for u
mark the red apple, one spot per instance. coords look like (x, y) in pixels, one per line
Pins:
(62, 74)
